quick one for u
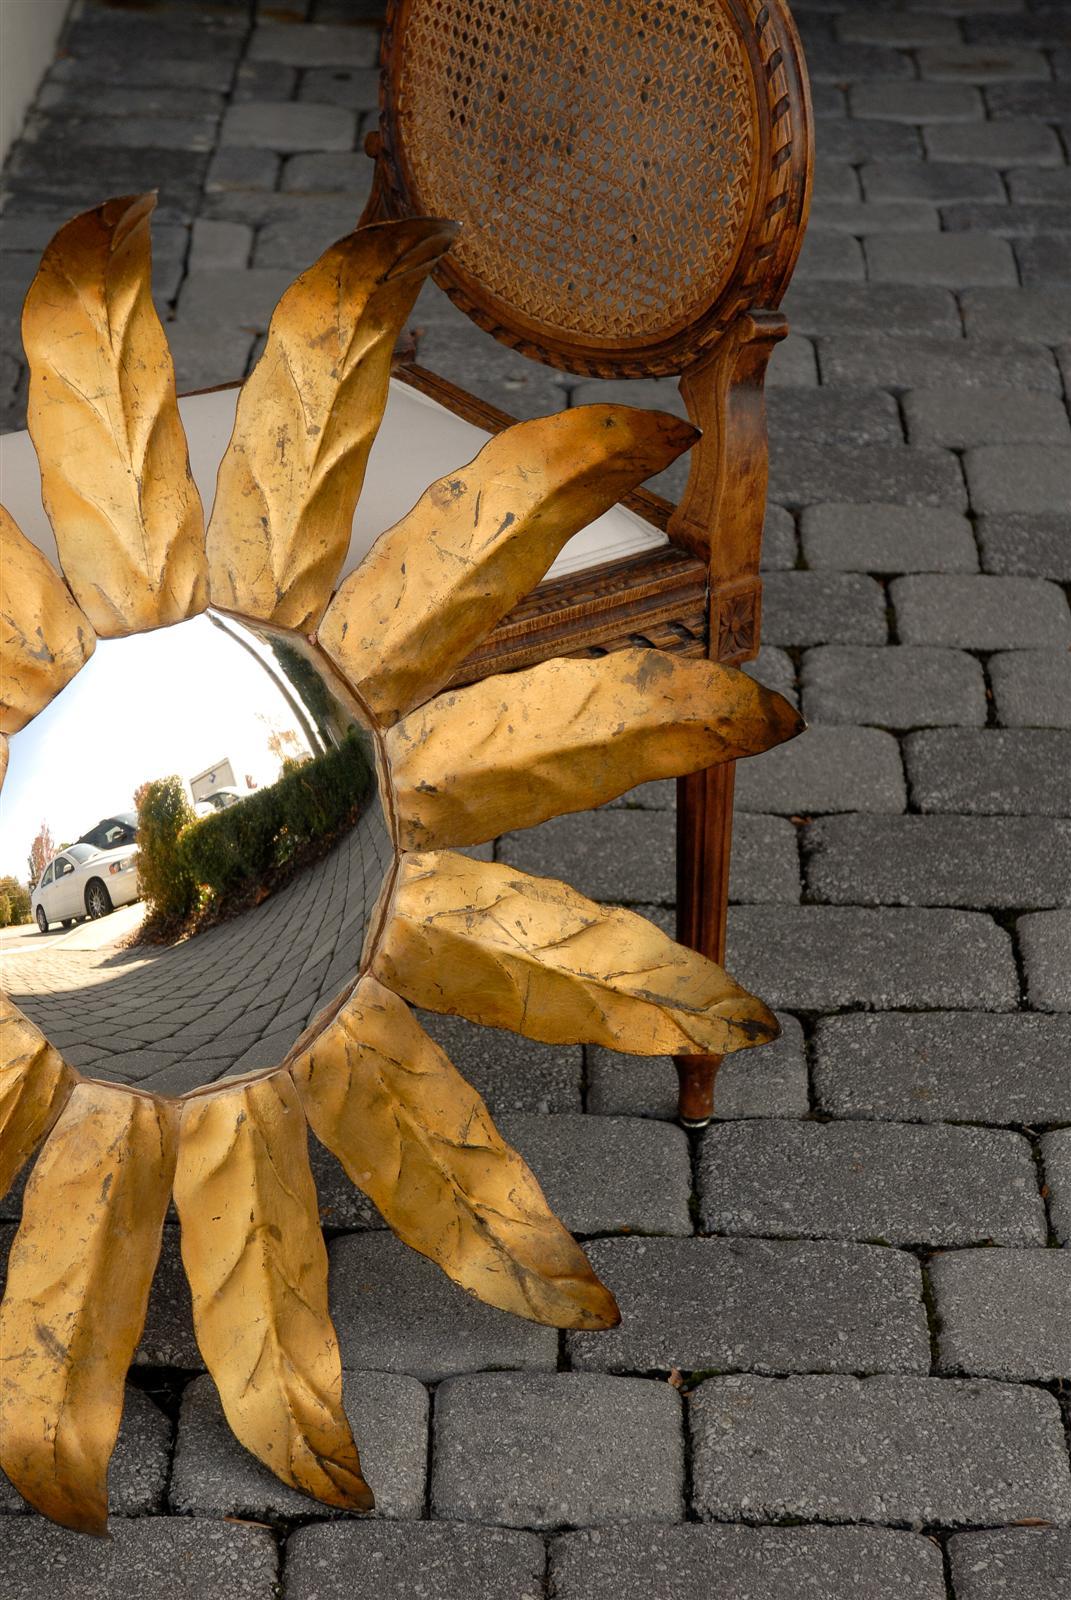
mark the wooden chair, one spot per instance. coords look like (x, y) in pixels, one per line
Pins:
(633, 178)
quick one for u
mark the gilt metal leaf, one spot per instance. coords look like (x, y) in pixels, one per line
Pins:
(35, 1084)
(433, 586)
(103, 416)
(502, 948)
(77, 1291)
(421, 1144)
(514, 750)
(306, 420)
(45, 636)
(257, 1266)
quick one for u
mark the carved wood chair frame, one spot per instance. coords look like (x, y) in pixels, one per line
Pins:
(700, 594)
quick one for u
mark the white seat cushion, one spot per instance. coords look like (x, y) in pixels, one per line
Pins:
(419, 441)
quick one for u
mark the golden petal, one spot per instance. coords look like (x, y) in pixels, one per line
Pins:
(77, 1290)
(307, 416)
(35, 1084)
(564, 736)
(433, 586)
(103, 416)
(420, 1142)
(45, 638)
(257, 1265)
(492, 944)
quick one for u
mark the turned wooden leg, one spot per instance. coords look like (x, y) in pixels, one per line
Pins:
(704, 841)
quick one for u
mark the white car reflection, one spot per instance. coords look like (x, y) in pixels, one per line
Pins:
(219, 800)
(83, 881)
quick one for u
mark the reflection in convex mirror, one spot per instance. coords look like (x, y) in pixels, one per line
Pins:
(199, 817)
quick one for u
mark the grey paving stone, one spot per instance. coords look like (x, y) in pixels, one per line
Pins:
(384, 1561)
(774, 668)
(333, 172)
(876, 1182)
(341, 1204)
(818, 958)
(756, 1305)
(944, 1066)
(233, 299)
(220, 244)
(133, 131)
(701, 1563)
(964, 417)
(1019, 220)
(168, 72)
(835, 180)
(1045, 942)
(825, 769)
(766, 1082)
(801, 608)
(939, 183)
(835, 416)
(265, 80)
(183, 1557)
(237, 168)
(968, 63)
(802, 473)
(1056, 1159)
(1019, 771)
(1021, 477)
(954, 260)
(620, 855)
(1003, 1313)
(896, 101)
(168, 1338)
(214, 1476)
(395, 1311)
(896, 216)
(1003, 144)
(843, 1449)
(792, 364)
(903, 363)
(607, 1174)
(611, 855)
(520, 387)
(846, 308)
(903, 29)
(887, 538)
(558, 1449)
(833, 257)
(997, 862)
(1032, 688)
(314, 45)
(980, 612)
(511, 1073)
(779, 546)
(1012, 1564)
(900, 686)
(1044, 260)
(854, 141)
(1031, 184)
(355, 87)
(138, 1472)
(288, 125)
(1041, 314)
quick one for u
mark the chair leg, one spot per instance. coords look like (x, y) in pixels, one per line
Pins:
(704, 841)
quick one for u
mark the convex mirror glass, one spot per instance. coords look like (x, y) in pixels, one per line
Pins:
(199, 820)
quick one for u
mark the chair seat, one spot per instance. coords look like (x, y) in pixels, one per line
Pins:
(419, 440)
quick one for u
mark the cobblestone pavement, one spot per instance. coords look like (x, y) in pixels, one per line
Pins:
(857, 1270)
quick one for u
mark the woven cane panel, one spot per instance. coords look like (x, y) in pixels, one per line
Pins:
(586, 150)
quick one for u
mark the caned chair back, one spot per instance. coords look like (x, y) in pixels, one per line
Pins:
(629, 174)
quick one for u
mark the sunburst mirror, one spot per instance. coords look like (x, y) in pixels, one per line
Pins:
(265, 780)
